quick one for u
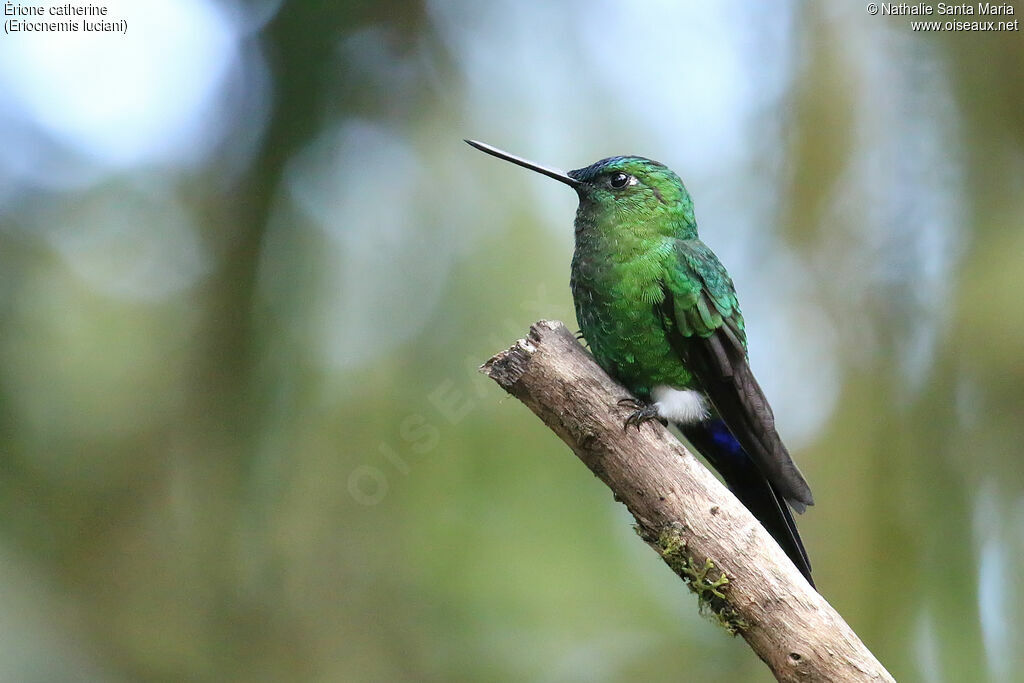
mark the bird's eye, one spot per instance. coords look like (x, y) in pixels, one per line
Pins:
(619, 180)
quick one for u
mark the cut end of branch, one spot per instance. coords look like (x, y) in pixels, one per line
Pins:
(506, 367)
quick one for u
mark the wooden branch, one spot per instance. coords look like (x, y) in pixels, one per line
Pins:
(684, 513)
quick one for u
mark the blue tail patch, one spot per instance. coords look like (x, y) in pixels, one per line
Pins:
(723, 438)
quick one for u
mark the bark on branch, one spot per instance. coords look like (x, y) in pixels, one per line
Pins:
(704, 534)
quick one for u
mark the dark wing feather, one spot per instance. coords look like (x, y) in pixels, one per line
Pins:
(751, 488)
(705, 328)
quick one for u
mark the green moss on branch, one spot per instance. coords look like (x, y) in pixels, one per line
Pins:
(698, 577)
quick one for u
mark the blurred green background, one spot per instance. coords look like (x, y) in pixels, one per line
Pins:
(248, 268)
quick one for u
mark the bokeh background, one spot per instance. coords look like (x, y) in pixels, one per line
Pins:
(248, 268)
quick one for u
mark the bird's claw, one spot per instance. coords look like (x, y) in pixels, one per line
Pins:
(643, 412)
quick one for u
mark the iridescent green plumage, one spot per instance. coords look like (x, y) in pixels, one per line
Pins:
(660, 314)
(630, 252)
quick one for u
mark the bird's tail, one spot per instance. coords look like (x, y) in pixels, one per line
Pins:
(717, 444)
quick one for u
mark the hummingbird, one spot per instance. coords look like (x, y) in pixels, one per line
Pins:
(660, 314)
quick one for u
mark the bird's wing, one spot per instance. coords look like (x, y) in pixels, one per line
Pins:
(702, 318)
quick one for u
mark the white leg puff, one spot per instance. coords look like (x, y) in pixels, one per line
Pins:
(682, 406)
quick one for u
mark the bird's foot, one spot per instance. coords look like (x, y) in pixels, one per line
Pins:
(643, 412)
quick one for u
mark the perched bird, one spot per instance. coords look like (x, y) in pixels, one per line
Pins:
(660, 314)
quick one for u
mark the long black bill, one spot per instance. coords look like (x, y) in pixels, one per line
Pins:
(560, 176)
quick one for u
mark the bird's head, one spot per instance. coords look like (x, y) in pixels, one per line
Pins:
(634, 189)
(619, 193)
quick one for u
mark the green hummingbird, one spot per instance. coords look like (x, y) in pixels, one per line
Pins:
(660, 314)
